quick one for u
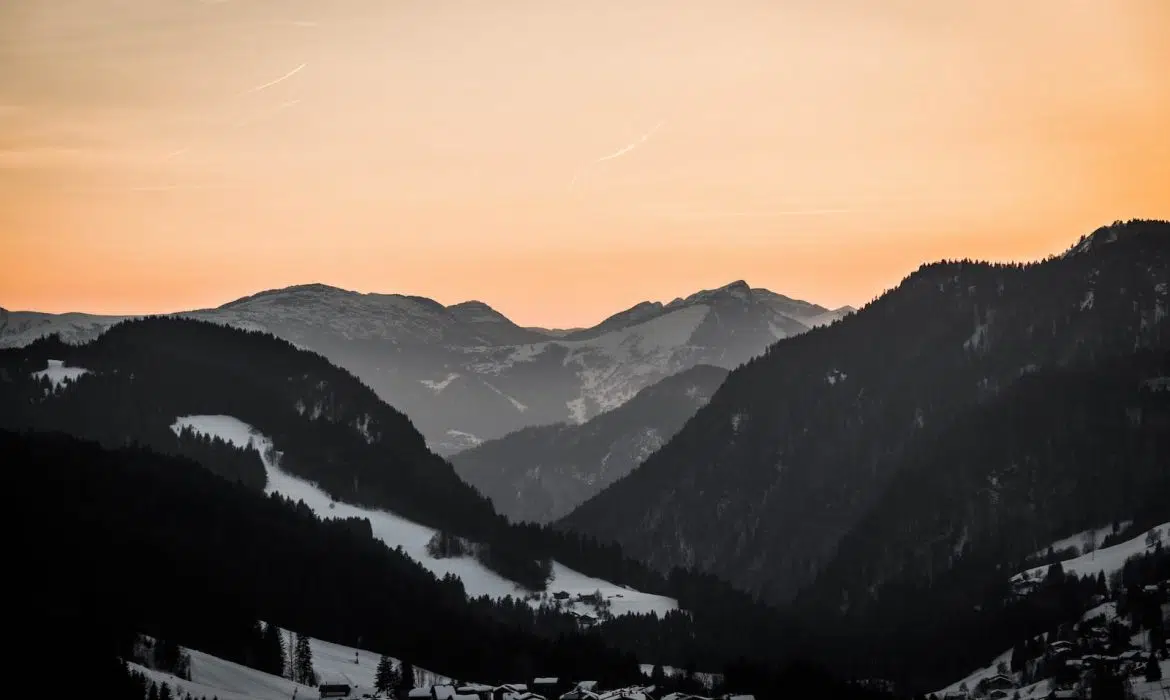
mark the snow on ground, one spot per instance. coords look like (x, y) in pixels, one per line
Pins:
(1083, 541)
(214, 677)
(707, 679)
(1108, 560)
(1105, 610)
(986, 672)
(397, 531)
(1153, 690)
(438, 387)
(59, 374)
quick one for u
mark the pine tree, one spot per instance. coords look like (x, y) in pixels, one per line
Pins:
(1153, 669)
(303, 662)
(152, 694)
(273, 658)
(384, 680)
(164, 692)
(658, 675)
(406, 678)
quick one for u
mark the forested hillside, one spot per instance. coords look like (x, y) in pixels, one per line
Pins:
(797, 446)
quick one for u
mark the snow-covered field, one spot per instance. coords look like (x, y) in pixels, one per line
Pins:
(1083, 541)
(397, 531)
(214, 677)
(59, 374)
(1107, 560)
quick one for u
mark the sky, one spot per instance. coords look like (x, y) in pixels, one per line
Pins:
(561, 160)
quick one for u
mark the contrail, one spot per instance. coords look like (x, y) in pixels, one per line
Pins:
(618, 153)
(271, 113)
(279, 80)
(631, 146)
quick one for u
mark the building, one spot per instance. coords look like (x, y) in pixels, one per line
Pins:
(334, 690)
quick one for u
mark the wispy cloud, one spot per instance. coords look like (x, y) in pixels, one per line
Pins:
(278, 81)
(683, 214)
(618, 153)
(269, 114)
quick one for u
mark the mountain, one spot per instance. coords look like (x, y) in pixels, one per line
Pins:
(796, 447)
(171, 550)
(540, 474)
(465, 373)
(1058, 453)
(254, 409)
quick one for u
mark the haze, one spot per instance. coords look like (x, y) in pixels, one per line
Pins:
(561, 160)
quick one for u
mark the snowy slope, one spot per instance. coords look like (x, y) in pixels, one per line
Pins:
(214, 677)
(397, 531)
(58, 374)
(1084, 541)
(1107, 560)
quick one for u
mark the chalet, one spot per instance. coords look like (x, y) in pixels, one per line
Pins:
(997, 695)
(583, 690)
(476, 690)
(509, 691)
(1059, 648)
(531, 696)
(419, 693)
(1000, 682)
(546, 686)
(954, 695)
(561, 595)
(443, 692)
(334, 690)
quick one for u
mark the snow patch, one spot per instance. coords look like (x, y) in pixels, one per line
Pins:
(58, 374)
(1107, 560)
(1087, 302)
(397, 531)
(438, 386)
(516, 404)
(577, 410)
(1085, 541)
(978, 340)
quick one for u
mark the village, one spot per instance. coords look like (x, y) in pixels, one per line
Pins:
(1105, 654)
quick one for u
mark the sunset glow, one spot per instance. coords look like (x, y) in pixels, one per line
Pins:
(561, 160)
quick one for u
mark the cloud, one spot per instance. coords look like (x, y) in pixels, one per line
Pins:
(279, 80)
(618, 153)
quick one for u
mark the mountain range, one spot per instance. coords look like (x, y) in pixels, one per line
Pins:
(541, 473)
(465, 373)
(762, 486)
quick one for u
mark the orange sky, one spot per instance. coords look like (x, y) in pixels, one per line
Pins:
(151, 159)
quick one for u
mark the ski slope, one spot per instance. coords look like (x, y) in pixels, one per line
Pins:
(396, 531)
(215, 677)
(1107, 560)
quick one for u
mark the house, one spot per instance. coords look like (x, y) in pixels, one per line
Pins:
(419, 693)
(477, 690)
(583, 690)
(334, 690)
(998, 695)
(1000, 682)
(509, 691)
(546, 686)
(443, 692)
